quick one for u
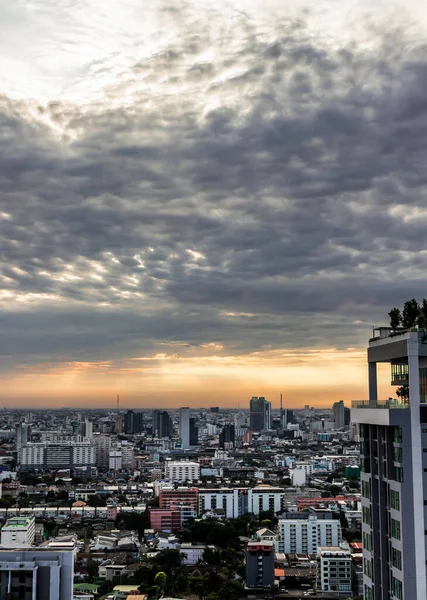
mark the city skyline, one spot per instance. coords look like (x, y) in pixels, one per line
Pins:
(206, 201)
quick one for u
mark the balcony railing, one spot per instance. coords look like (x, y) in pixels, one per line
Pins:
(390, 403)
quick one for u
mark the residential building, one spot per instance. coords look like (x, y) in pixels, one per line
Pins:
(57, 455)
(265, 498)
(233, 501)
(300, 472)
(103, 446)
(393, 441)
(171, 497)
(21, 436)
(183, 470)
(115, 459)
(338, 412)
(164, 519)
(30, 574)
(334, 571)
(184, 427)
(18, 531)
(304, 533)
(260, 564)
(86, 429)
(192, 553)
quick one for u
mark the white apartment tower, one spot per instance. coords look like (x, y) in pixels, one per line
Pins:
(306, 535)
(182, 470)
(184, 427)
(393, 435)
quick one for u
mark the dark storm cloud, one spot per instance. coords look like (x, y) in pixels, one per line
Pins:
(298, 197)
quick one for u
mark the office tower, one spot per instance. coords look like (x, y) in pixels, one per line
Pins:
(194, 432)
(338, 412)
(214, 409)
(133, 422)
(21, 436)
(260, 564)
(33, 573)
(260, 414)
(184, 427)
(162, 424)
(393, 436)
(18, 531)
(227, 436)
(155, 422)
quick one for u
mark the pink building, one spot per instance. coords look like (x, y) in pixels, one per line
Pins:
(165, 519)
(111, 513)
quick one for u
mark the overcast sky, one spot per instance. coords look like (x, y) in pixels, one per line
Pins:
(203, 201)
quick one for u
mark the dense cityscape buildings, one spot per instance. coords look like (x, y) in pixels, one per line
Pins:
(292, 472)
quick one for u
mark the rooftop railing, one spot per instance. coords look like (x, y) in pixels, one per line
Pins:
(389, 403)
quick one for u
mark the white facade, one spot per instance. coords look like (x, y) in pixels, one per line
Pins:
(30, 574)
(60, 455)
(32, 455)
(115, 459)
(103, 445)
(334, 570)
(227, 499)
(18, 531)
(300, 472)
(265, 498)
(184, 427)
(192, 554)
(21, 436)
(181, 471)
(306, 535)
(127, 456)
(84, 454)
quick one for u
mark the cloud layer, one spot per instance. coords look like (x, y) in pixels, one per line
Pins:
(246, 184)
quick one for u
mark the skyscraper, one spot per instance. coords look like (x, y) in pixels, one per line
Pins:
(393, 437)
(194, 432)
(184, 427)
(260, 414)
(227, 436)
(338, 411)
(133, 422)
(21, 436)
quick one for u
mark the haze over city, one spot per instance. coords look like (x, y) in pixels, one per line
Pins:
(205, 201)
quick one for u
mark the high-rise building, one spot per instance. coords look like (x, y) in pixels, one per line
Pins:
(194, 432)
(21, 436)
(338, 412)
(57, 455)
(184, 427)
(133, 422)
(393, 436)
(86, 429)
(260, 564)
(227, 437)
(103, 445)
(30, 573)
(162, 424)
(260, 414)
(214, 409)
(301, 535)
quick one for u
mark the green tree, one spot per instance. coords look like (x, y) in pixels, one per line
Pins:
(160, 581)
(197, 586)
(395, 318)
(211, 556)
(410, 313)
(402, 392)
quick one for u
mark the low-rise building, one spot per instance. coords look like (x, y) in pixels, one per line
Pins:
(334, 571)
(18, 531)
(260, 564)
(183, 470)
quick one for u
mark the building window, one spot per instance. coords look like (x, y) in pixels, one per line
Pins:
(397, 435)
(397, 588)
(366, 515)
(395, 499)
(395, 529)
(398, 474)
(367, 541)
(396, 558)
(368, 593)
(367, 567)
(397, 454)
(366, 489)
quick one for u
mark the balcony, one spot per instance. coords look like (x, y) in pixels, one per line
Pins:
(387, 404)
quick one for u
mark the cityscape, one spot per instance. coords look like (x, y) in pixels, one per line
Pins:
(213, 312)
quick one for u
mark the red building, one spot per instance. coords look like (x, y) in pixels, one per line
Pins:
(171, 498)
(164, 519)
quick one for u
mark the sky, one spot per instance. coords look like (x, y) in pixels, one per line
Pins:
(202, 201)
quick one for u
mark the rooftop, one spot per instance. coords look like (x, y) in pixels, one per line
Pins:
(19, 522)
